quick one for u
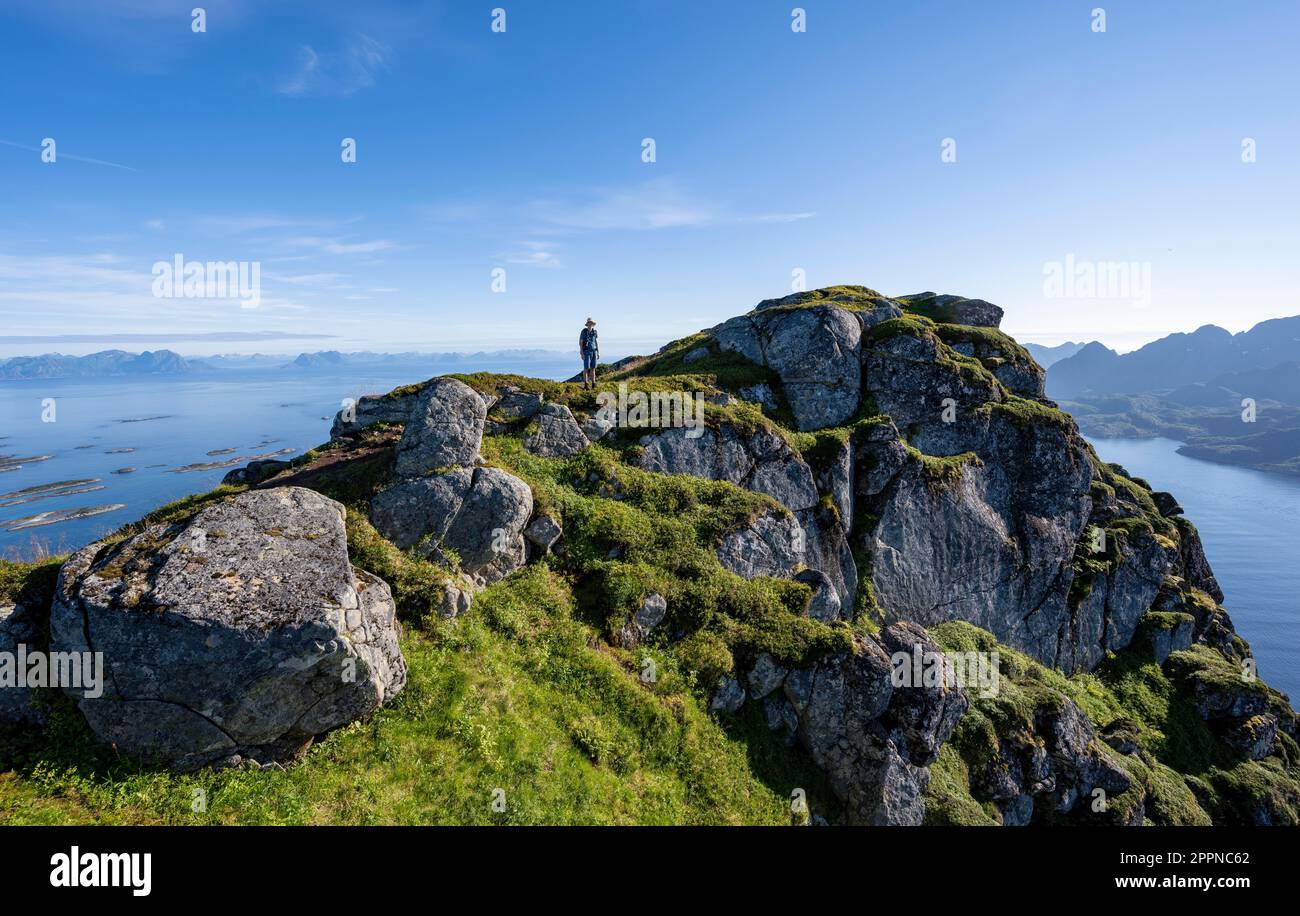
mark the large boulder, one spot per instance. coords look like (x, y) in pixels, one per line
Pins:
(557, 435)
(477, 513)
(816, 350)
(956, 309)
(368, 410)
(771, 545)
(241, 633)
(444, 428)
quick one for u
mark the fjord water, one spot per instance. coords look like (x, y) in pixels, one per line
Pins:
(166, 423)
(1250, 523)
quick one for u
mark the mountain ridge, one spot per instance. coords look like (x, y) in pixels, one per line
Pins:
(725, 607)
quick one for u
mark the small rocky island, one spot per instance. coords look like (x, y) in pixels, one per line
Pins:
(489, 583)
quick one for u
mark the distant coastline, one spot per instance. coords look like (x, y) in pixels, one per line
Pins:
(122, 363)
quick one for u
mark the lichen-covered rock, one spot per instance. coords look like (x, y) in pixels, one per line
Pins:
(598, 425)
(558, 434)
(455, 601)
(542, 532)
(1107, 617)
(760, 461)
(911, 376)
(825, 604)
(1254, 737)
(371, 409)
(765, 676)
(241, 633)
(1218, 689)
(875, 741)
(1193, 566)
(956, 309)
(771, 545)
(987, 541)
(835, 482)
(444, 428)
(1166, 633)
(815, 350)
(477, 514)
(728, 697)
(645, 621)
(255, 471)
(516, 404)
(760, 393)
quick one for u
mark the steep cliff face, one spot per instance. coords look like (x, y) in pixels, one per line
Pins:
(876, 556)
(971, 493)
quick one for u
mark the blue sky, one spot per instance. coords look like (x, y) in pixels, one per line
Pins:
(775, 151)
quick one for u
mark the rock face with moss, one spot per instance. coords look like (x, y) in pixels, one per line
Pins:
(967, 496)
(815, 349)
(242, 633)
(470, 517)
(875, 741)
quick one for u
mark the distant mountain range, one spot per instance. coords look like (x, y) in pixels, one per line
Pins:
(1049, 356)
(1231, 398)
(1176, 360)
(110, 363)
(104, 363)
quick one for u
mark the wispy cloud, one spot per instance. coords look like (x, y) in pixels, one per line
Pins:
(241, 223)
(342, 73)
(649, 206)
(60, 154)
(322, 279)
(338, 246)
(660, 204)
(534, 254)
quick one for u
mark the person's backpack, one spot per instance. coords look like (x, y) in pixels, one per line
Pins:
(586, 340)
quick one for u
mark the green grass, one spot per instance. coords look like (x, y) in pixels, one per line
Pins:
(518, 696)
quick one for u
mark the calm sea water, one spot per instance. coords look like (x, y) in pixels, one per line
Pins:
(158, 426)
(1250, 523)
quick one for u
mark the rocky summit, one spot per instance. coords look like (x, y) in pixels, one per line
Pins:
(881, 579)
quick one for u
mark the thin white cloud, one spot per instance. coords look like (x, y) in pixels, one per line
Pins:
(534, 254)
(341, 73)
(241, 223)
(338, 246)
(320, 279)
(60, 154)
(658, 204)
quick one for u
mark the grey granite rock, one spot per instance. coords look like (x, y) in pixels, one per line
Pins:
(728, 697)
(242, 633)
(479, 514)
(445, 428)
(558, 434)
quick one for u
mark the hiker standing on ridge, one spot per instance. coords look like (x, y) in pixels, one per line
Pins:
(589, 347)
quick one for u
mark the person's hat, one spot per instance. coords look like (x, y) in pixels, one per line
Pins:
(591, 321)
